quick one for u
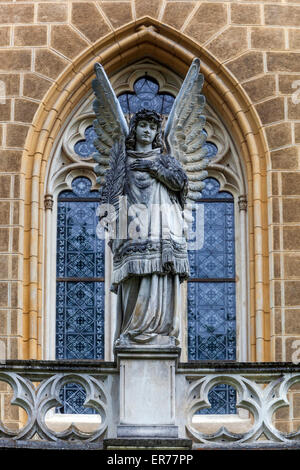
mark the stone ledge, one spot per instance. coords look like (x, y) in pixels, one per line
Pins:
(157, 444)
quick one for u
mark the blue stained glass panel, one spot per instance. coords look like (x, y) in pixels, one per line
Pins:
(84, 148)
(212, 305)
(79, 288)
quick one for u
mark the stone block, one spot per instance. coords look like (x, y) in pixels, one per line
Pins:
(291, 238)
(25, 110)
(5, 213)
(81, 18)
(291, 209)
(15, 60)
(35, 86)
(16, 135)
(275, 210)
(232, 42)
(261, 88)
(5, 186)
(177, 16)
(4, 267)
(10, 83)
(292, 349)
(246, 66)
(294, 108)
(16, 13)
(292, 321)
(5, 36)
(119, 13)
(55, 12)
(285, 15)
(271, 110)
(5, 110)
(278, 349)
(30, 35)
(3, 294)
(296, 405)
(279, 135)
(291, 184)
(208, 20)
(292, 265)
(245, 14)
(285, 159)
(267, 38)
(288, 83)
(292, 293)
(282, 413)
(297, 132)
(49, 63)
(277, 321)
(3, 326)
(10, 161)
(66, 41)
(148, 8)
(294, 38)
(283, 61)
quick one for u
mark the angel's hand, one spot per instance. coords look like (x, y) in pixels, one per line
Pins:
(142, 164)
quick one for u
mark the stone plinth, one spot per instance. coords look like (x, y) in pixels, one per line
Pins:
(147, 391)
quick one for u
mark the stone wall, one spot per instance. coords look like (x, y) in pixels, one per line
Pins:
(256, 42)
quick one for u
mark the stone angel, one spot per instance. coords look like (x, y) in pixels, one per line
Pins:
(146, 178)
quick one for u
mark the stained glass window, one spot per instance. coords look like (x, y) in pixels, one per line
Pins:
(211, 291)
(146, 95)
(80, 283)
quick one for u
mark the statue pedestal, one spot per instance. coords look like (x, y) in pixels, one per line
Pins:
(147, 391)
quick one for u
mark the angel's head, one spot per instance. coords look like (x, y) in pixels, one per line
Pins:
(140, 119)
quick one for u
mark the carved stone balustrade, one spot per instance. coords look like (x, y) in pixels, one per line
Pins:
(261, 390)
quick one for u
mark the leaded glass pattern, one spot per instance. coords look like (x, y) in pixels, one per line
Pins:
(80, 284)
(146, 95)
(211, 291)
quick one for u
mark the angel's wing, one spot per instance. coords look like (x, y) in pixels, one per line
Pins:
(184, 131)
(110, 124)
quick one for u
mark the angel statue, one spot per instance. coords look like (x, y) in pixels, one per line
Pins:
(145, 186)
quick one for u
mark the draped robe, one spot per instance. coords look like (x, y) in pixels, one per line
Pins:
(151, 261)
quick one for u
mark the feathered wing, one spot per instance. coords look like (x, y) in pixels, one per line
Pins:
(111, 128)
(184, 131)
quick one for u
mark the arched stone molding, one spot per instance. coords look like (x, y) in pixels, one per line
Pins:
(146, 38)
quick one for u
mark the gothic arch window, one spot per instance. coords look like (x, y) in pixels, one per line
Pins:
(72, 163)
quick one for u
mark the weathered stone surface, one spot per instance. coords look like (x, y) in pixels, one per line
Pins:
(291, 238)
(245, 14)
(267, 38)
(148, 8)
(294, 38)
(297, 132)
(285, 15)
(16, 13)
(292, 321)
(25, 110)
(283, 61)
(119, 13)
(3, 291)
(16, 135)
(66, 41)
(5, 110)
(208, 20)
(291, 209)
(52, 12)
(248, 65)
(10, 160)
(35, 86)
(49, 63)
(5, 213)
(232, 42)
(292, 265)
(289, 84)
(4, 238)
(15, 60)
(293, 108)
(4, 36)
(177, 16)
(81, 18)
(279, 135)
(261, 88)
(30, 35)
(290, 184)
(285, 159)
(5, 186)
(271, 110)
(11, 83)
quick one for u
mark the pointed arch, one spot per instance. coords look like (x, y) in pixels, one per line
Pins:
(146, 38)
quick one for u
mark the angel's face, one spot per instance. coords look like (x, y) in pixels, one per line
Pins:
(145, 132)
